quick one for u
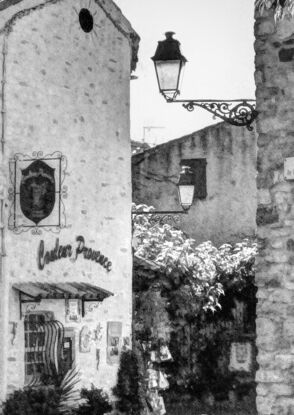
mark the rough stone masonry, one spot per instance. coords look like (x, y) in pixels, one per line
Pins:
(274, 78)
(58, 103)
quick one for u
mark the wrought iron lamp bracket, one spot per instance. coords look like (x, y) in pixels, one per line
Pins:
(162, 217)
(239, 112)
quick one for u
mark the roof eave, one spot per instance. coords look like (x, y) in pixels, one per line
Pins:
(113, 12)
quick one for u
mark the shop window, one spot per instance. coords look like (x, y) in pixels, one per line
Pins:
(35, 344)
(198, 167)
(49, 347)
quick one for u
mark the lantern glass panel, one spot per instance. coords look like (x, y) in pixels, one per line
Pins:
(168, 73)
(186, 194)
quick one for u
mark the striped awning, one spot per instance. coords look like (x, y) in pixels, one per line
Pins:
(84, 291)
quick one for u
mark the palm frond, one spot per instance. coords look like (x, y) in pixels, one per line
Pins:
(70, 394)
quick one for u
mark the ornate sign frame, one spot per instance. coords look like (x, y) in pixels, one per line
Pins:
(56, 163)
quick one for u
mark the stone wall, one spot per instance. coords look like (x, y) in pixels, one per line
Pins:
(58, 95)
(274, 76)
(227, 213)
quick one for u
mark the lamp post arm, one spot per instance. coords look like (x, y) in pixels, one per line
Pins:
(170, 217)
(161, 212)
(239, 112)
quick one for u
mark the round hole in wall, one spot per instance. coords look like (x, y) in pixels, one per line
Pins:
(86, 20)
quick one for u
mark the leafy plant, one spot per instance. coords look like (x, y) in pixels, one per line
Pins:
(128, 389)
(64, 383)
(194, 300)
(282, 8)
(97, 402)
(55, 396)
(152, 316)
(69, 394)
(201, 271)
(33, 401)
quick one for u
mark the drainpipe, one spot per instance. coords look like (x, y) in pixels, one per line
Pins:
(4, 283)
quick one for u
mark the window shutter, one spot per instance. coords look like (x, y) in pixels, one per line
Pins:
(198, 167)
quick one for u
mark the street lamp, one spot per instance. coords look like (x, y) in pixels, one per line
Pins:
(169, 65)
(186, 188)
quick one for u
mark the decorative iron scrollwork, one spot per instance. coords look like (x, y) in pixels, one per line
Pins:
(29, 307)
(90, 306)
(165, 219)
(161, 218)
(235, 112)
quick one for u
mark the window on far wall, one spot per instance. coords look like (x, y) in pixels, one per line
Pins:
(198, 167)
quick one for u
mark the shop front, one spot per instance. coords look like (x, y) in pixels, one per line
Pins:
(59, 325)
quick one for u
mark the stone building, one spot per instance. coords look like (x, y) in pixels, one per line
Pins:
(65, 189)
(274, 78)
(138, 146)
(223, 159)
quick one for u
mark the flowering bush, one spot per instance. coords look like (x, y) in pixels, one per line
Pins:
(178, 301)
(203, 269)
(96, 402)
